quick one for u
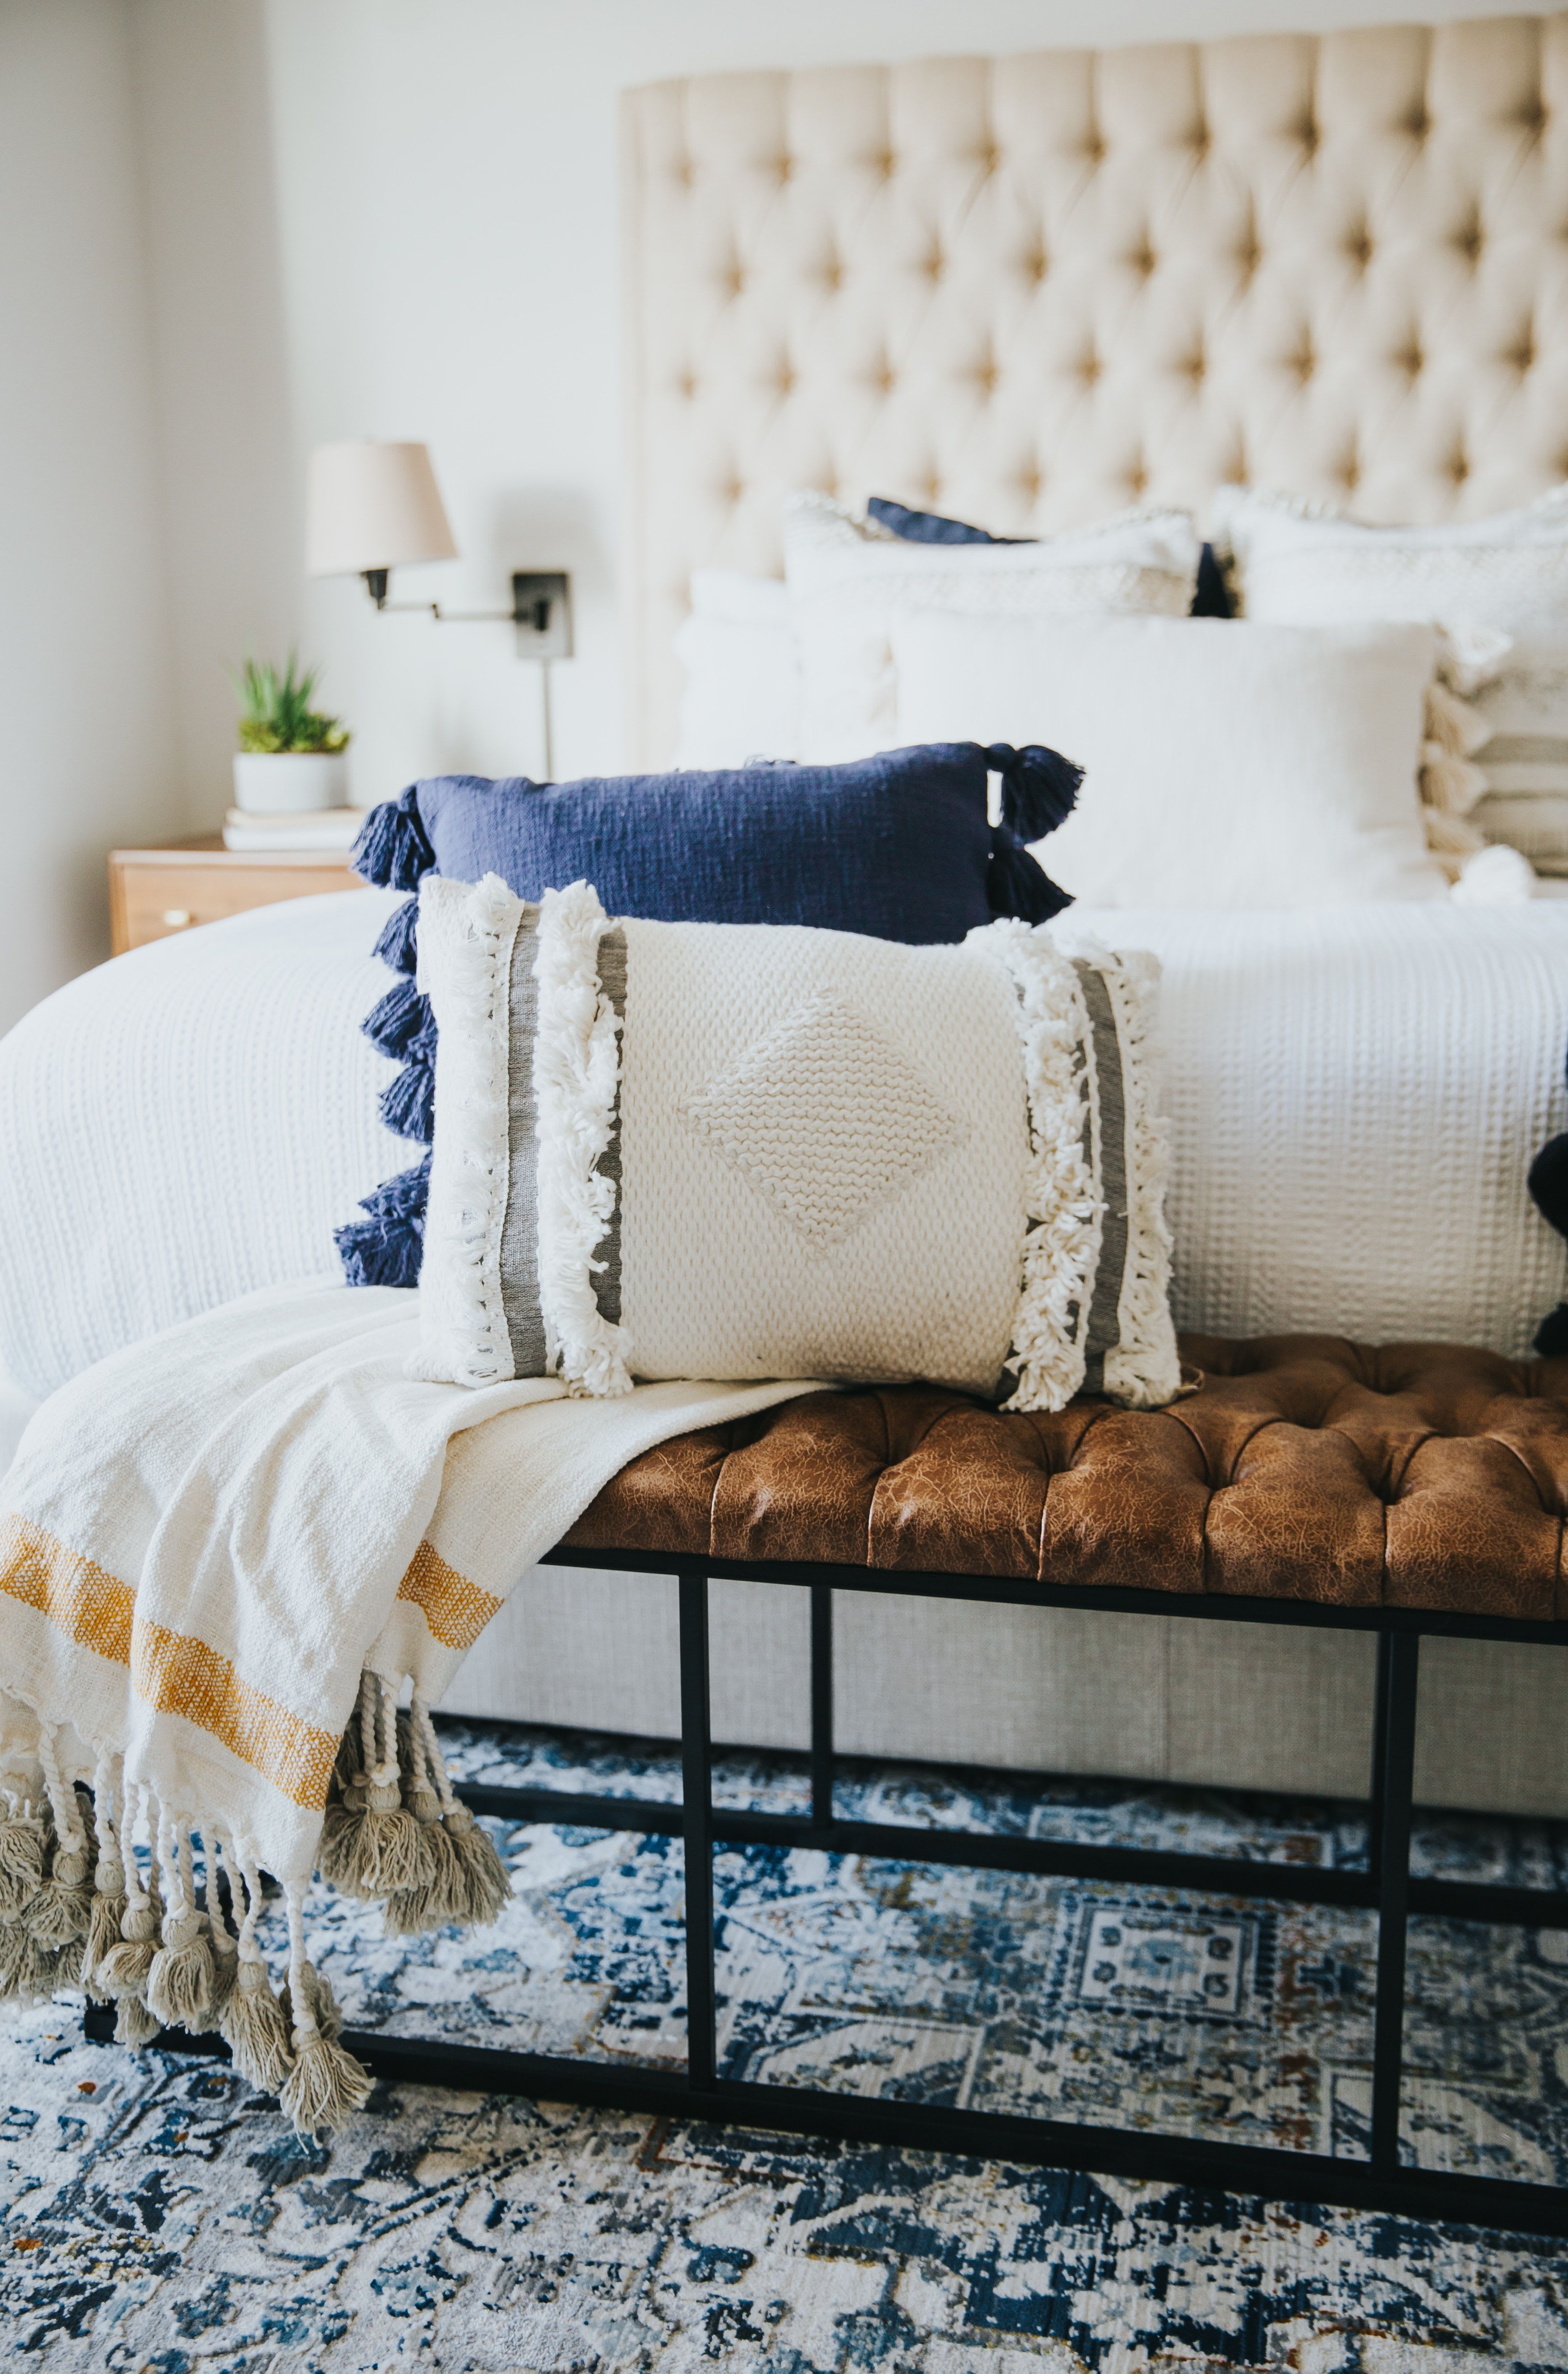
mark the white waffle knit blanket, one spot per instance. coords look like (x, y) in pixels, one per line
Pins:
(223, 1553)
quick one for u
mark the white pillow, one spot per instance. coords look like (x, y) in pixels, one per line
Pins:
(1504, 576)
(1226, 764)
(850, 579)
(742, 692)
(742, 1150)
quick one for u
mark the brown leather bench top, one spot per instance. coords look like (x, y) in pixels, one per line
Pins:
(1305, 1467)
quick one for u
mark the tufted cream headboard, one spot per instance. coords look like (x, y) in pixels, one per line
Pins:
(1031, 290)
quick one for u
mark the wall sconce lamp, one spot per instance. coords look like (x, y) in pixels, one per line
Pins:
(372, 507)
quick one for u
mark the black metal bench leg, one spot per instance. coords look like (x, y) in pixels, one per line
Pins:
(1380, 1757)
(1398, 1658)
(696, 1800)
(821, 1705)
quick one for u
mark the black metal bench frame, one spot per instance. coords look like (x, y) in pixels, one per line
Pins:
(1384, 2181)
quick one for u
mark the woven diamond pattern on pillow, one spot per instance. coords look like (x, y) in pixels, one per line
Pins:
(735, 1151)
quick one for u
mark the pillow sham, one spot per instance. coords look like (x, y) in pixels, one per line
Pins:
(1226, 764)
(849, 579)
(899, 846)
(741, 699)
(1211, 597)
(1502, 580)
(699, 1150)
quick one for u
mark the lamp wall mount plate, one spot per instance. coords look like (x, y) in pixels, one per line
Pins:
(542, 613)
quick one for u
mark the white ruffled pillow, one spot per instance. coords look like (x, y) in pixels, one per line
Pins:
(735, 1151)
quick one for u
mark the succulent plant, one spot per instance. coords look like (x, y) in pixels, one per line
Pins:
(276, 713)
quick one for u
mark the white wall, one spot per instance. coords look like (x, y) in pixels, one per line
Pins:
(85, 699)
(226, 442)
(447, 177)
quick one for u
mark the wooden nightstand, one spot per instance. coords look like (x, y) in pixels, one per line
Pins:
(156, 892)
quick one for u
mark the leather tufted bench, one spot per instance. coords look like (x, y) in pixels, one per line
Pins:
(1420, 1477)
(1412, 1490)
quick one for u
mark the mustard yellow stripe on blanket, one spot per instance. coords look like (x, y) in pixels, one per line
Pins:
(455, 1609)
(179, 1674)
(93, 1607)
(173, 1671)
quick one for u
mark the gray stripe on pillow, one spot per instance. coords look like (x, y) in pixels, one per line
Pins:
(520, 1229)
(1103, 1330)
(612, 985)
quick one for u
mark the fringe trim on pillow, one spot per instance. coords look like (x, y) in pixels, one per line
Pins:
(465, 1338)
(1064, 1210)
(1450, 781)
(130, 1931)
(1143, 1369)
(576, 1076)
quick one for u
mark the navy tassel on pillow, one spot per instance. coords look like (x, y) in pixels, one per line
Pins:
(397, 1020)
(392, 850)
(1016, 884)
(1547, 1183)
(399, 943)
(1038, 789)
(408, 1102)
(1551, 1335)
(386, 1248)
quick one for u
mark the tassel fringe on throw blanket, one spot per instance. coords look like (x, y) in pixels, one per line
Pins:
(224, 1554)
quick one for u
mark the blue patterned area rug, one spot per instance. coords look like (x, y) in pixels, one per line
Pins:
(159, 2217)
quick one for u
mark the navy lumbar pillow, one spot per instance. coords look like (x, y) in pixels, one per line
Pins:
(1211, 600)
(930, 527)
(897, 847)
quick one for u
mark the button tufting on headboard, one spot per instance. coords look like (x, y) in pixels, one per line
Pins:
(995, 276)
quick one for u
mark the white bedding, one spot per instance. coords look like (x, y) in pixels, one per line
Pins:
(186, 1124)
(1355, 1096)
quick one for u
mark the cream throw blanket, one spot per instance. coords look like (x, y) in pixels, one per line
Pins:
(223, 1553)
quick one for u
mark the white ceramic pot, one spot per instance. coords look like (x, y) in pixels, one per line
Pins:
(289, 782)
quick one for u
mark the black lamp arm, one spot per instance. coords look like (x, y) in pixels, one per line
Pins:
(534, 612)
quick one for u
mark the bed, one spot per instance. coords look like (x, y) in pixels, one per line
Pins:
(1032, 291)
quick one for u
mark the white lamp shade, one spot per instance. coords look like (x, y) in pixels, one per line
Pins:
(372, 506)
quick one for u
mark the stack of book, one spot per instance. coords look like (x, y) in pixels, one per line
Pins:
(317, 829)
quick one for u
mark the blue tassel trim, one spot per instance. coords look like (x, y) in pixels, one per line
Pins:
(392, 849)
(408, 1103)
(1551, 1335)
(399, 943)
(1016, 884)
(1547, 1183)
(400, 1022)
(387, 1247)
(1038, 787)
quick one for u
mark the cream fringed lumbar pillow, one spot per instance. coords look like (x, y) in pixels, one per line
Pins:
(736, 1151)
